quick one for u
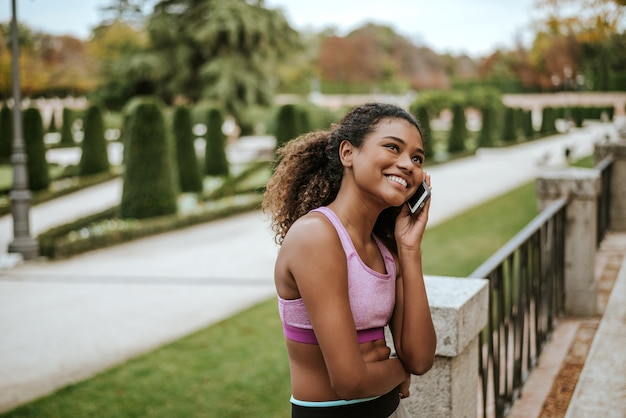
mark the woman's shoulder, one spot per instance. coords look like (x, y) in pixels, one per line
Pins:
(314, 228)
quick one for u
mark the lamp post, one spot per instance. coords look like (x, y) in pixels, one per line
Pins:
(20, 195)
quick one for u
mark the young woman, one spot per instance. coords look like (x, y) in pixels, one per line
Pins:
(350, 263)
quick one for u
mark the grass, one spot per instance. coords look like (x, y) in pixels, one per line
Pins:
(238, 368)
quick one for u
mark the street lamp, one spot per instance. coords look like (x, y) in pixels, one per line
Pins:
(20, 195)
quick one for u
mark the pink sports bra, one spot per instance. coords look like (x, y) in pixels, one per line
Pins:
(372, 294)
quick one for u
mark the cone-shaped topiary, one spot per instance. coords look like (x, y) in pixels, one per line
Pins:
(509, 131)
(149, 187)
(485, 136)
(188, 171)
(423, 118)
(458, 132)
(548, 121)
(528, 129)
(286, 125)
(67, 137)
(215, 161)
(94, 158)
(38, 176)
(52, 126)
(6, 134)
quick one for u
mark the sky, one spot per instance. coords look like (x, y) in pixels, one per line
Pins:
(473, 27)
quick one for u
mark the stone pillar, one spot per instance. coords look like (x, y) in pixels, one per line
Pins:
(617, 209)
(582, 185)
(459, 311)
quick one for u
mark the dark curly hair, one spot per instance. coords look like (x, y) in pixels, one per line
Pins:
(309, 170)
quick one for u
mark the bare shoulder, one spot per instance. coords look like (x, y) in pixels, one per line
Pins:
(311, 230)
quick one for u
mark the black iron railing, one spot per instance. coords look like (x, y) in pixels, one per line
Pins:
(604, 199)
(526, 279)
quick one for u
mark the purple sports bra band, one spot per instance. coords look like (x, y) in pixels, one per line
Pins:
(307, 336)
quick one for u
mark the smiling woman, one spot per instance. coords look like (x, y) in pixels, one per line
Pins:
(350, 263)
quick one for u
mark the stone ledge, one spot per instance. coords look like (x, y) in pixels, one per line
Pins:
(459, 310)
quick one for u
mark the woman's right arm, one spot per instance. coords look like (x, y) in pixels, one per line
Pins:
(315, 258)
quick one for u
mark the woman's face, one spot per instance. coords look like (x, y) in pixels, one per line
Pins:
(389, 163)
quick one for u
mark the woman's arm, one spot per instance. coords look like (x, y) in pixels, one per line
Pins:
(317, 262)
(412, 326)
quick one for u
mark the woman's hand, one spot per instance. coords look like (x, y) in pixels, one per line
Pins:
(409, 228)
(404, 388)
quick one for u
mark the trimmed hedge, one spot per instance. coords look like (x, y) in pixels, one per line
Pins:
(423, 118)
(485, 137)
(189, 176)
(458, 132)
(94, 158)
(106, 229)
(215, 161)
(38, 175)
(286, 124)
(150, 187)
(67, 137)
(509, 128)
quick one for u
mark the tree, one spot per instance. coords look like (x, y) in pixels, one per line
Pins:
(6, 134)
(149, 187)
(188, 171)
(221, 50)
(38, 176)
(215, 162)
(94, 157)
(458, 132)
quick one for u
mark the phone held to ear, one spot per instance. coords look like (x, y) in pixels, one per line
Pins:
(418, 200)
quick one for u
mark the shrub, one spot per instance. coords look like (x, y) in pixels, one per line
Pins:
(485, 137)
(509, 131)
(286, 125)
(548, 121)
(94, 158)
(149, 187)
(188, 172)
(215, 161)
(458, 133)
(38, 177)
(6, 134)
(421, 114)
(52, 127)
(527, 124)
(67, 138)
(578, 116)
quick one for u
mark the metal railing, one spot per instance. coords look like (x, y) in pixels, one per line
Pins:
(604, 199)
(526, 280)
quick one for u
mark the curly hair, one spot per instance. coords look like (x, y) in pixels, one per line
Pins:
(309, 171)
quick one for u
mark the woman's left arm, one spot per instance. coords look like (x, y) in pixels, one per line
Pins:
(412, 326)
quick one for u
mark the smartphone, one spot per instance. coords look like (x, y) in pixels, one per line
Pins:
(418, 200)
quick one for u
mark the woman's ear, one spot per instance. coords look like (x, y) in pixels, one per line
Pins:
(346, 152)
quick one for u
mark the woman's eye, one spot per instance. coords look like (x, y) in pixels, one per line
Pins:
(393, 147)
(418, 159)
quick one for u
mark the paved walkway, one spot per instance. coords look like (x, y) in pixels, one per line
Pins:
(64, 321)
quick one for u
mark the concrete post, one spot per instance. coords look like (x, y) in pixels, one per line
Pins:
(617, 207)
(459, 311)
(582, 185)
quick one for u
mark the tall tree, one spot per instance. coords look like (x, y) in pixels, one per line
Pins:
(221, 50)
